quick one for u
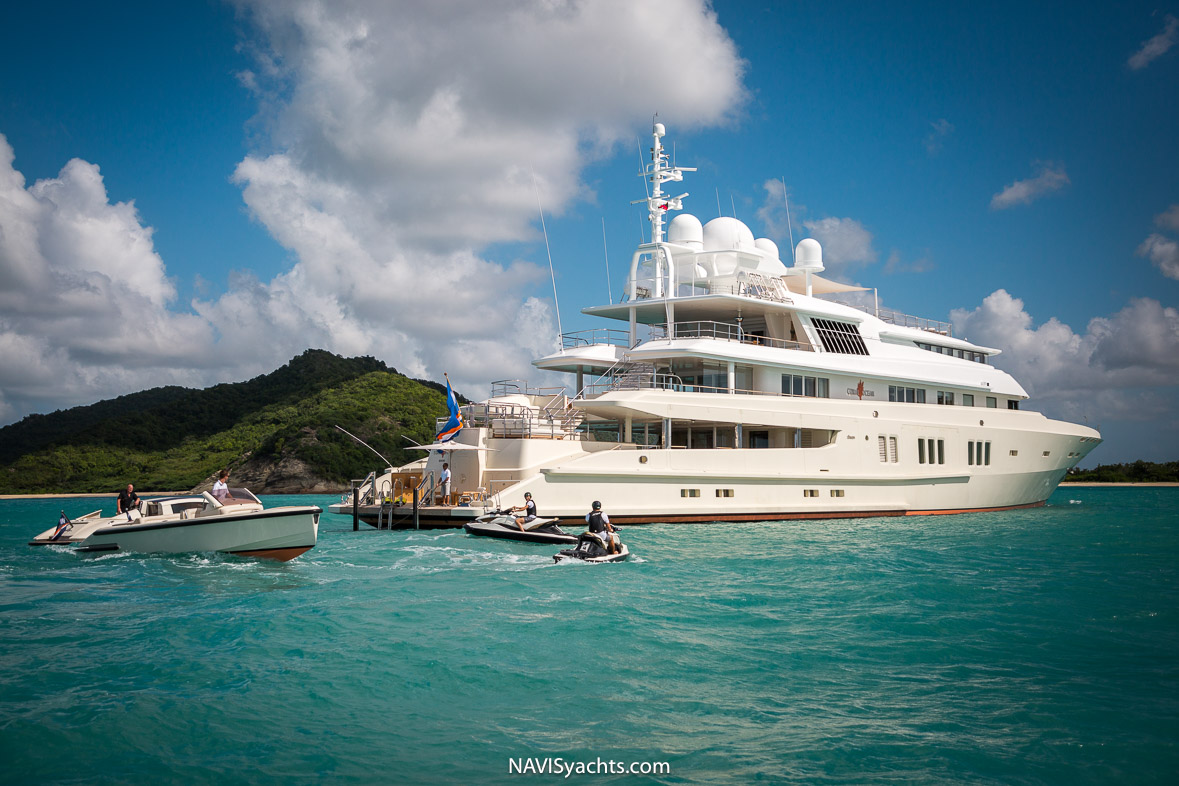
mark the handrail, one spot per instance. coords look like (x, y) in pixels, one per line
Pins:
(724, 331)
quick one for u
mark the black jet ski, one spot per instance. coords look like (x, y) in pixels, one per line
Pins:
(591, 548)
(502, 524)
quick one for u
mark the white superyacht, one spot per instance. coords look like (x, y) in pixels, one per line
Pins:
(737, 389)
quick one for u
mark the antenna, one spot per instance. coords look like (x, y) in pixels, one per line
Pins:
(606, 254)
(788, 224)
(718, 210)
(733, 203)
(552, 274)
(388, 463)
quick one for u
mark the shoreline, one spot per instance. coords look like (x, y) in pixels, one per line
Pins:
(1097, 484)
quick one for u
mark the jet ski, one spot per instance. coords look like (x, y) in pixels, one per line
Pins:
(591, 548)
(502, 524)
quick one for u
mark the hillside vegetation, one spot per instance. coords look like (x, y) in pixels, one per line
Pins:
(1136, 472)
(276, 433)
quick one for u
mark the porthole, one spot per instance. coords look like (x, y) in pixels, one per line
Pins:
(642, 459)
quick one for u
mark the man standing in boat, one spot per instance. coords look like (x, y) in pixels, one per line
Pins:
(128, 500)
(445, 481)
(599, 524)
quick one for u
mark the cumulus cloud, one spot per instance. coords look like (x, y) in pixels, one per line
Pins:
(397, 141)
(85, 303)
(411, 137)
(1051, 177)
(846, 243)
(1123, 367)
(1155, 47)
(1163, 252)
(936, 139)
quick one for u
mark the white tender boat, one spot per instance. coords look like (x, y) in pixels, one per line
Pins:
(237, 524)
(740, 389)
(73, 531)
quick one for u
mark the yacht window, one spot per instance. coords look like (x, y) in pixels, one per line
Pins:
(796, 385)
(992, 402)
(724, 492)
(837, 492)
(978, 454)
(941, 451)
(987, 453)
(689, 492)
(907, 395)
(920, 451)
(945, 397)
(968, 399)
(810, 492)
(842, 337)
(1013, 404)
(970, 453)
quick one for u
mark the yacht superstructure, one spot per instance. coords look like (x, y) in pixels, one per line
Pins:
(737, 388)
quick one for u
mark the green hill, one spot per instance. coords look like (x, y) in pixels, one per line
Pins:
(275, 432)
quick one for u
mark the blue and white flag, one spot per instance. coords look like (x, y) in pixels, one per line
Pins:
(455, 424)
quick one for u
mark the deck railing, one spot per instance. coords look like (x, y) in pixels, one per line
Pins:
(723, 331)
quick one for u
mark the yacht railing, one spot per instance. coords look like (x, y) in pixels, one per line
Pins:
(520, 387)
(554, 421)
(894, 317)
(725, 332)
(594, 337)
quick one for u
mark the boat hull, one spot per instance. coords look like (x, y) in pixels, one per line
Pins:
(493, 530)
(277, 534)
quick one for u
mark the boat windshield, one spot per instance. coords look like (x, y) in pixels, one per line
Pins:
(241, 495)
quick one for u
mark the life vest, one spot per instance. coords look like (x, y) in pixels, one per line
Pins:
(595, 522)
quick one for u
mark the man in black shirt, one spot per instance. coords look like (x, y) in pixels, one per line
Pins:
(128, 501)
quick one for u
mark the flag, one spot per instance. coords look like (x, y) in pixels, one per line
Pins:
(455, 424)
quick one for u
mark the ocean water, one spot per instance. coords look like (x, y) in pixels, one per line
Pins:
(1033, 646)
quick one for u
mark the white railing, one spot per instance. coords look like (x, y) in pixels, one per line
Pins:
(723, 331)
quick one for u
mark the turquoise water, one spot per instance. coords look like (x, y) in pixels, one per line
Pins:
(1036, 646)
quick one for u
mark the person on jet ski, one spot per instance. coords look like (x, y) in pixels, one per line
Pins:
(599, 524)
(528, 509)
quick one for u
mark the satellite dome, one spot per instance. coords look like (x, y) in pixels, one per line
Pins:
(768, 247)
(685, 229)
(727, 234)
(808, 256)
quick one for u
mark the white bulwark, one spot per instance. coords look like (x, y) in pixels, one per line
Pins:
(737, 388)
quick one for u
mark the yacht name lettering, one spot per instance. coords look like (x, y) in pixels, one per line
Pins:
(865, 393)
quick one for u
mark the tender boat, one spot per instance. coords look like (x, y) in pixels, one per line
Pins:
(73, 531)
(591, 548)
(237, 524)
(738, 387)
(503, 525)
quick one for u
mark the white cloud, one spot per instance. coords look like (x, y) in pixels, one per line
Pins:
(936, 138)
(84, 299)
(1163, 252)
(846, 243)
(1123, 367)
(1169, 218)
(1051, 177)
(400, 140)
(1156, 46)
(411, 136)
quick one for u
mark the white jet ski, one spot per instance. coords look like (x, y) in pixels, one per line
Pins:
(502, 524)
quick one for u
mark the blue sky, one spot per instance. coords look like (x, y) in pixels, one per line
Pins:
(252, 179)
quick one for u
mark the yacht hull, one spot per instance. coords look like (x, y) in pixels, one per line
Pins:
(277, 534)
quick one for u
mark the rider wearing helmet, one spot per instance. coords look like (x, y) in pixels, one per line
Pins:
(599, 524)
